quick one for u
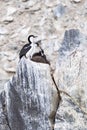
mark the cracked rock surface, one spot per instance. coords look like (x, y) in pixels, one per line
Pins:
(30, 98)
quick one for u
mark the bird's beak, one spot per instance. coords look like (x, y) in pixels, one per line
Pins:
(35, 36)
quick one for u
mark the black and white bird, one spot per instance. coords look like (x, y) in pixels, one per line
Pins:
(27, 47)
(33, 51)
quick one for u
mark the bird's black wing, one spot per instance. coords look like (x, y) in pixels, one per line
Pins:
(24, 50)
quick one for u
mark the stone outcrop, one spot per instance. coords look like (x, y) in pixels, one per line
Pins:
(70, 75)
(30, 100)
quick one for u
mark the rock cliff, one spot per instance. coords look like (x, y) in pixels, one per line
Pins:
(30, 98)
(62, 27)
(31, 101)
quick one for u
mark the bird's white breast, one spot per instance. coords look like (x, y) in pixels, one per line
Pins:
(34, 49)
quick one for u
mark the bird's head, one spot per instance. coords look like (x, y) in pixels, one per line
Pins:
(31, 38)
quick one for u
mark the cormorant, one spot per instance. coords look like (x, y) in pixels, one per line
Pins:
(33, 51)
(26, 47)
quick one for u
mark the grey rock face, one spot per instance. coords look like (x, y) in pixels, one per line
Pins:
(3, 31)
(71, 76)
(59, 10)
(31, 99)
(76, 1)
(70, 42)
(8, 19)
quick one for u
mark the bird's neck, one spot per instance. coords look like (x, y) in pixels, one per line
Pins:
(33, 44)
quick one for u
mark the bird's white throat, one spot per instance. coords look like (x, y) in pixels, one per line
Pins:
(34, 49)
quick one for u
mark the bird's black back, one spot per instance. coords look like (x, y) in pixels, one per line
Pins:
(24, 50)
